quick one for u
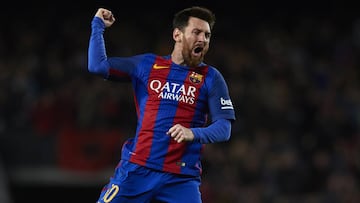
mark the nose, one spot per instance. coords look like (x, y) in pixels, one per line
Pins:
(202, 37)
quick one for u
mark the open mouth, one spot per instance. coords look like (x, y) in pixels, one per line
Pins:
(198, 50)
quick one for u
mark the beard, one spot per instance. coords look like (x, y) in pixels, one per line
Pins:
(190, 59)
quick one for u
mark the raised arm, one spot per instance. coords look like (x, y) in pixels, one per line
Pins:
(97, 58)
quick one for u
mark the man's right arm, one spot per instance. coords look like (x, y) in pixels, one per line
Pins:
(97, 59)
(112, 68)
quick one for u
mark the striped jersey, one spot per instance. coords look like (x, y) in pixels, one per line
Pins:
(165, 94)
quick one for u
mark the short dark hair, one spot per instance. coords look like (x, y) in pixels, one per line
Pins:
(181, 18)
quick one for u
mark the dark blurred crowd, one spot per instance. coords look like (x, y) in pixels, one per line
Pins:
(294, 82)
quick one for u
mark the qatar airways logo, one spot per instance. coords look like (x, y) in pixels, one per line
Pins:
(174, 91)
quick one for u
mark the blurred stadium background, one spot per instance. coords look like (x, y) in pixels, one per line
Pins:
(293, 70)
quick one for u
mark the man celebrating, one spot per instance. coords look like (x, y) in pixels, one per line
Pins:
(182, 103)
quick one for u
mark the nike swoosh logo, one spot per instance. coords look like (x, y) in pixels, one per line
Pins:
(156, 66)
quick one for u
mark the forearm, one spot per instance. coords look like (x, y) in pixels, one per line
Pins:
(218, 131)
(97, 59)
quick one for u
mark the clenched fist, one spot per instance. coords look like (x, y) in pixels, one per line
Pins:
(106, 15)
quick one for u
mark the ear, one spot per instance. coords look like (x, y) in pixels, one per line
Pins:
(177, 35)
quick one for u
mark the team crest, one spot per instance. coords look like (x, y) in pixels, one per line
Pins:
(196, 78)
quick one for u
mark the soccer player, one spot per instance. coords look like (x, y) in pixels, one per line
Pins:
(181, 102)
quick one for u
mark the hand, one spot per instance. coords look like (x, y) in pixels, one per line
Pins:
(106, 16)
(180, 133)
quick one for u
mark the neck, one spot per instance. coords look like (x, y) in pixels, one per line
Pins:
(176, 55)
(177, 58)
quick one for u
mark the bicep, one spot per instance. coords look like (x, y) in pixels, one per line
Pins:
(220, 104)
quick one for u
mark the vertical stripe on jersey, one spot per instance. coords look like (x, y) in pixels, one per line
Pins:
(183, 116)
(146, 132)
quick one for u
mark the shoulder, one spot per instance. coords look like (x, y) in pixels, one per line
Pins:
(151, 57)
(214, 77)
(212, 70)
(145, 55)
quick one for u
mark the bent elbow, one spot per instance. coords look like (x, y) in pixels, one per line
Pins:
(96, 68)
(92, 69)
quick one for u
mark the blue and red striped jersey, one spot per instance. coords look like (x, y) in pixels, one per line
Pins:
(165, 94)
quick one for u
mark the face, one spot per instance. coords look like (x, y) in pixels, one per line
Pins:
(195, 41)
